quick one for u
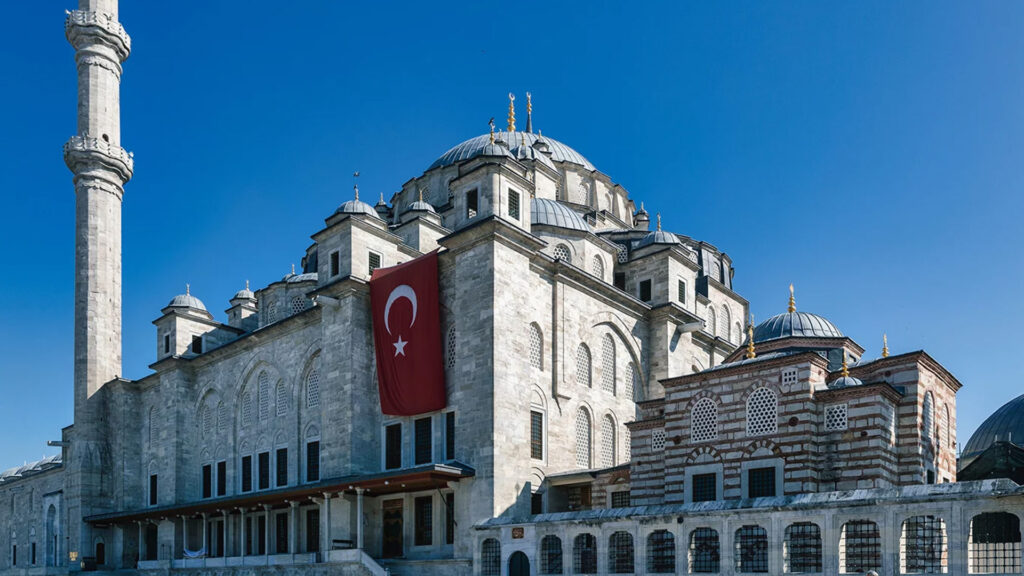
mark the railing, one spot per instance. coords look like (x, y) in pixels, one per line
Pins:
(78, 20)
(88, 149)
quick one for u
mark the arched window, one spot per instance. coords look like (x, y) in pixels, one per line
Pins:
(551, 555)
(584, 554)
(627, 445)
(283, 399)
(154, 426)
(562, 253)
(711, 326)
(704, 421)
(724, 321)
(737, 332)
(536, 347)
(490, 557)
(450, 357)
(597, 267)
(608, 364)
(264, 395)
(923, 545)
(223, 417)
(860, 547)
(607, 442)
(313, 388)
(632, 383)
(620, 553)
(947, 428)
(801, 549)
(298, 304)
(583, 366)
(762, 413)
(705, 551)
(928, 416)
(661, 552)
(207, 420)
(994, 546)
(582, 438)
(583, 194)
(271, 313)
(751, 549)
(247, 409)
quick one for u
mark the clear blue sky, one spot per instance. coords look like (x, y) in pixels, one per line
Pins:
(869, 152)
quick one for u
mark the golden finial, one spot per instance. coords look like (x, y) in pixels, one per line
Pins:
(187, 288)
(846, 370)
(529, 114)
(750, 338)
(659, 219)
(421, 194)
(511, 112)
(792, 300)
(885, 346)
(491, 124)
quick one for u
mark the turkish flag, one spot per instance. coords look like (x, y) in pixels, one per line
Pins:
(407, 337)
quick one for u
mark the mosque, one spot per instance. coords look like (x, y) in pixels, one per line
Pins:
(607, 407)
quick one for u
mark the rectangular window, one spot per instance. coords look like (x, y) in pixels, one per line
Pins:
(761, 482)
(645, 290)
(167, 343)
(281, 531)
(393, 447)
(335, 264)
(33, 550)
(513, 204)
(207, 481)
(263, 461)
(374, 259)
(537, 435)
(579, 497)
(222, 478)
(620, 280)
(424, 439)
(14, 555)
(313, 530)
(197, 344)
(449, 436)
(471, 205)
(246, 473)
(449, 518)
(261, 536)
(424, 506)
(705, 487)
(313, 461)
(152, 489)
(282, 466)
(536, 503)
(681, 292)
(620, 499)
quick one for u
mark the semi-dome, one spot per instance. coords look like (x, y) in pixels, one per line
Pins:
(795, 324)
(1004, 425)
(552, 213)
(186, 300)
(481, 146)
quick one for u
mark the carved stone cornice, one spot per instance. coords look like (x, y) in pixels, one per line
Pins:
(84, 28)
(85, 154)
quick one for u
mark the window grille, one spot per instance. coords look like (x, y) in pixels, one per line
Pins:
(723, 322)
(582, 438)
(620, 499)
(449, 518)
(801, 549)
(449, 435)
(298, 304)
(620, 553)
(562, 253)
(451, 347)
(513, 204)
(154, 428)
(207, 421)
(632, 383)
(584, 554)
(661, 552)
(271, 313)
(994, 545)
(536, 347)
(313, 388)
(551, 555)
(836, 417)
(264, 395)
(608, 364)
(281, 457)
(751, 550)
(789, 376)
(627, 445)
(928, 416)
(282, 399)
(222, 417)
(424, 521)
(711, 325)
(607, 442)
(762, 413)
(490, 558)
(761, 482)
(705, 551)
(704, 421)
(247, 409)
(424, 430)
(860, 547)
(536, 435)
(705, 487)
(681, 291)
(658, 440)
(583, 194)
(923, 545)
(597, 267)
(583, 366)
(374, 262)
(623, 255)
(246, 473)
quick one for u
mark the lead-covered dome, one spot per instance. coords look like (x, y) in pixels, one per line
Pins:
(546, 212)
(481, 146)
(357, 207)
(658, 237)
(186, 300)
(1004, 425)
(795, 324)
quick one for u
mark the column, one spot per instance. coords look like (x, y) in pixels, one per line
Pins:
(184, 535)
(266, 533)
(227, 533)
(359, 518)
(325, 525)
(142, 543)
(241, 527)
(293, 523)
(206, 541)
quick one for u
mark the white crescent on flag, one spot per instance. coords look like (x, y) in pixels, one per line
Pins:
(402, 291)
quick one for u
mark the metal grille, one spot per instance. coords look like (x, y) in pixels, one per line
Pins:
(222, 417)
(607, 442)
(661, 552)
(247, 409)
(762, 413)
(424, 528)
(620, 553)
(374, 262)
(761, 482)
(207, 416)
(801, 549)
(562, 253)
(282, 399)
(627, 445)
(298, 304)
(451, 347)
(723, 322)
(584, 554)
(751, 549)
(788, 376)
(836, 417)
(424, 431)
(923, 545)
(711, 324)
(536, 347)
(490, 558)
(658, 440)
(583, 194)
(536, 435)
(582, 438)
(513, 204)
(597, 267)
(704, 421)
(928, 416)
(705, 487)
(623, 255)
(264, 395)
(583, 366)
(705, 551)
(608, 364)
(154, 428)
(313, 388)
(551, 555)
(620, 499)
(860, 547)
(681, 291)
(994, 545)
(633, 382)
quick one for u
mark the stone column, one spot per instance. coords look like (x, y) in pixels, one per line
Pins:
(266, 533)
(206, 537)
(242, 531)
(325, 525)
(359, 518)
(184, 535)
(293, 524)
(142, 543)
(227, 533)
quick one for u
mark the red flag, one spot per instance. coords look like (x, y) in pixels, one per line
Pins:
(407, 337)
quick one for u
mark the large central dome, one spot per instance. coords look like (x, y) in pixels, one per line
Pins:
(475, 147)
(1005, 424)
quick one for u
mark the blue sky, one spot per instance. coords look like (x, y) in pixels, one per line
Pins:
(868, 152)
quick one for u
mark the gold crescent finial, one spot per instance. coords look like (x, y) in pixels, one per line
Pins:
(491, 124)
(792, 300)
(750, 338)
(511, 112)
(885, 346)
(846, 370)
(659, 220)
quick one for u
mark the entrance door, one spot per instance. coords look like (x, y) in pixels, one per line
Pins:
(392, 528)
(518, 565)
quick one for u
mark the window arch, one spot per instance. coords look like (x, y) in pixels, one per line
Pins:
(536, 347)
(550, 555)
(313, 388)
(923, 545)
(563, 253)
(712, 325)
(661, 552)
(620, 553)
(994, 544)
(947, 428)
(283, 399)
(705, 551)
(583, 366)
(860, 547)
(751, 549)
(597, 267)
(264, 395)
(450, 358)
(206, 419)
(737, 333)
(608, 364)
(762, 413)
(704, 421)
(490, 557)
(723, 322)
(584, 554)
(271, 313)
(582, 438)
(607, 442)
(801, 548)
(928, 416)
(583, 194)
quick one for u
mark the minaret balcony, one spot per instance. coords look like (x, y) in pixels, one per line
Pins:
(83, 27)
(85, 153)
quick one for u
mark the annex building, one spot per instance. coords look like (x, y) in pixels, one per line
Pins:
(607, 408)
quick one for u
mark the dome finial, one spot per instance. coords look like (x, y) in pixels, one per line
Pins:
(659, 221)
(355, 184)
(511, 112)
(792, 300)
(491, 124)
(187, 289)
(885, 345)
(529, 114)
(421, 194)
(846, 369)
(750, 339)
(246, 284)
(293, 269)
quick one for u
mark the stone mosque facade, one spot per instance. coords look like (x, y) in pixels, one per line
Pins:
(609, 410)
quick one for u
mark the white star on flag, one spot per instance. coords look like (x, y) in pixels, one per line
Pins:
(400, 346)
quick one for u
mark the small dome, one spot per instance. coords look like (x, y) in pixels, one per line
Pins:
(544, 212)
(421, 206)
(1004, 425)
(481, 146)
(658, 237)
(186, 301)
(357, 207)
(844, 382)
(244, 294)
(534, 153)
(307, 277)
(795, 324)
